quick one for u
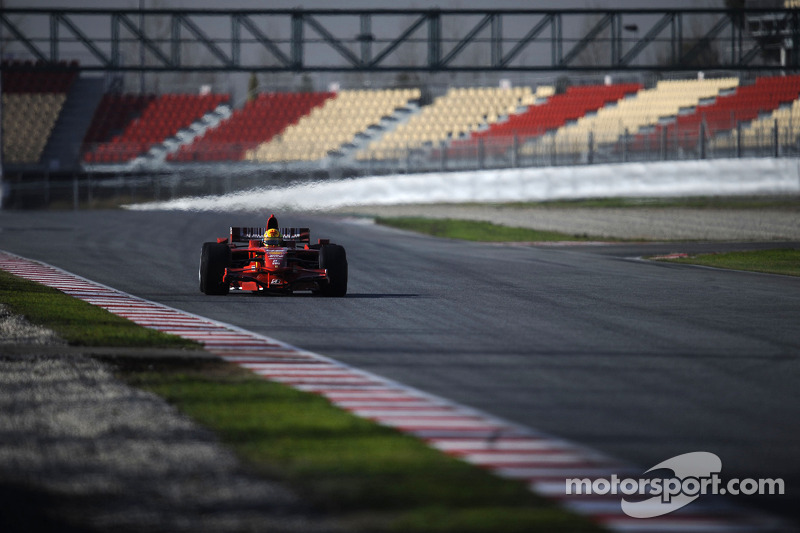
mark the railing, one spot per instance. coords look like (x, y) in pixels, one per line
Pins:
(107, 187)
(548, 150)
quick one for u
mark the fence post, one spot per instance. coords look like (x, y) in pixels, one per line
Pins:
(775, 144)
(739, 140)
(625, 146)
(590, 146)
(797, 143)
(515, 151)
(702, 139)
(481, 153)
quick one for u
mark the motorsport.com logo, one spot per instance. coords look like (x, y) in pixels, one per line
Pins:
(694, 474)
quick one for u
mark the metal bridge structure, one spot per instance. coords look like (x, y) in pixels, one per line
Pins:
(376, 40)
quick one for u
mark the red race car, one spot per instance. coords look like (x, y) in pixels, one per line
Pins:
(275, 260)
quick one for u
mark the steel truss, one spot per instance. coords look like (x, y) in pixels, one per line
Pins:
(403, 40)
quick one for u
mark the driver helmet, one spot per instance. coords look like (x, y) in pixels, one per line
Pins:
(272, 237)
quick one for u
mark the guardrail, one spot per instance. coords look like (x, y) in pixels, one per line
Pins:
(111, 185)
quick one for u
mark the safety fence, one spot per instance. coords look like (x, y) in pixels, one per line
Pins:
(111, 185)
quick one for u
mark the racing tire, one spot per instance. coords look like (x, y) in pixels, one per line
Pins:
(333, 258)
(214, 259)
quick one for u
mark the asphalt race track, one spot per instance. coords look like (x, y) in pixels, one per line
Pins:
(643, 361)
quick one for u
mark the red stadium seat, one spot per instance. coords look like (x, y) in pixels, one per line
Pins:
(258, 121)
(765, 95)
(576, 102)
(145, 120)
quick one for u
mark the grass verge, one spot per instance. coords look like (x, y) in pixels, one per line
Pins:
(369, 477)
(366, 476)
(788, 202)
(475, 230)
(784, 261)
(77, 322)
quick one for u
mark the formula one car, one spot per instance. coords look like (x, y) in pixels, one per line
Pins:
(278, 260)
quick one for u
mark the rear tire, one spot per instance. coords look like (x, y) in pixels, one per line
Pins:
(334, 258)
(214, 259)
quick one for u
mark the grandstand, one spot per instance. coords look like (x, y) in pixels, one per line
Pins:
(127, 126)
(452, 116)
(643, 108)
(259, 120)
(362, 128)
(760, 132)
(333, 125)
(548, 112)
(722, 115)
(32, 100)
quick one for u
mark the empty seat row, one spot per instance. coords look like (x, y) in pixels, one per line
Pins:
(33, 96)
(259, 120)
(125, 127)
(761, 131)
(746, 104)
(28, 121)
(549, 112)
(455, 114)
(274, 127)
(644, 108)
(331, 126)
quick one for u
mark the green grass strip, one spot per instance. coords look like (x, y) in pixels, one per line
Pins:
(786, 202)
(77, 322)
(369, 477)
(474, 230)
(778, 261)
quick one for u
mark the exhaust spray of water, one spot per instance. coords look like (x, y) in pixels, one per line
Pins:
(661, 179)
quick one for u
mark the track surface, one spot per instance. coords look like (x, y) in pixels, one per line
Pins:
(642, 361)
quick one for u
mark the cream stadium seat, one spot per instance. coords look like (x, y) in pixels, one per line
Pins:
(760, 132)
(28, 121)
(644, 108)
(456, 113)
(335, 124)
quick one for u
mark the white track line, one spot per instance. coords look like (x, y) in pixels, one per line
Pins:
(507, 449)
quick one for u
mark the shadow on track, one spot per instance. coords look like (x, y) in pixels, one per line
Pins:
(379, 296)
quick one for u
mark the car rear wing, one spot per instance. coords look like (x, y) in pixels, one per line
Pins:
(300, 235)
